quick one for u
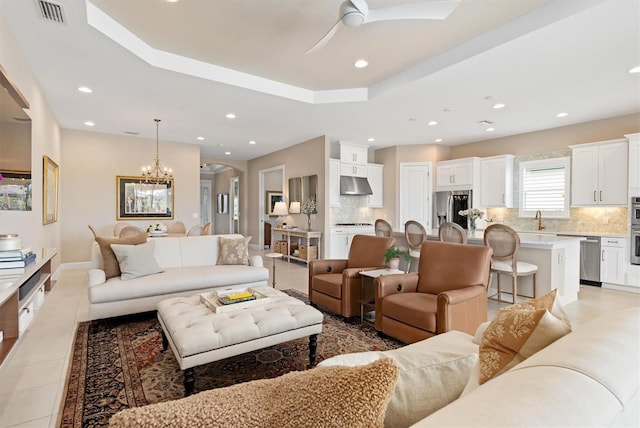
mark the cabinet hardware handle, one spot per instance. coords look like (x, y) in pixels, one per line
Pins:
(602, 259)
(454, 179)
(601, 196)
(594, 196)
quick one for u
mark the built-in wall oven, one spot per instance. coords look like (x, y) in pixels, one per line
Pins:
(634, 239)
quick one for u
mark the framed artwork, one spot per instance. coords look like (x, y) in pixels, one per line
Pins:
(272, 196)
(49, 191)
(15, 190)
(139, 200)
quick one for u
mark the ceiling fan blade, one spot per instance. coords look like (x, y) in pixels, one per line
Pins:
(361, 5)
(325, 39)
(439, 9)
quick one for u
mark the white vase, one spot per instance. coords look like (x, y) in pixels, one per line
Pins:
(393, 263)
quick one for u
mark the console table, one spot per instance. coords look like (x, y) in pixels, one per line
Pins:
(35, 282)
(309, 237)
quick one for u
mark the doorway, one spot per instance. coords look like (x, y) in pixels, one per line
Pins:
(270, 179)
(234, 196)
(205, 202)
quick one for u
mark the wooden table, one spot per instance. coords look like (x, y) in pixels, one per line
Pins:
(308, 236)
(366, 277)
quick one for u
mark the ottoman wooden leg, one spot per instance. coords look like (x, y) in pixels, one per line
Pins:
(313, 345)
(165, 342)
(189, 382)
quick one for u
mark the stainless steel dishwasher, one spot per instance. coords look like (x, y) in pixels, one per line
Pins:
(589, 260)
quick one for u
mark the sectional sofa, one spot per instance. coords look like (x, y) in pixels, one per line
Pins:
(188, 265)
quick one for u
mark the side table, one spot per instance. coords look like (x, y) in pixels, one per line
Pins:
(366, 277)
(274, 256)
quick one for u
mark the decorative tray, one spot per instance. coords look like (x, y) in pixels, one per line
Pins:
(213, 300)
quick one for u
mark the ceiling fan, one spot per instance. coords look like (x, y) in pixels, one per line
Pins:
(354, 13)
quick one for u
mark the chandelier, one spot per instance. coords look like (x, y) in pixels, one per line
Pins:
(156, 173)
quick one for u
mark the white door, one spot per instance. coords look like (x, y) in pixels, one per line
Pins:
(205, 202)
(234, 205)
(415, 193)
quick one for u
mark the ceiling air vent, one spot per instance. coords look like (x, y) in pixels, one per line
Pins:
(51, 11)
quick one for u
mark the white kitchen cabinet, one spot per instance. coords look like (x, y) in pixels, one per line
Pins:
(353, 153)
(340, 238)
(375, 177)
(496, 181)
(634, 164)
(334, 183)
(599, 173)
(353, 170)
(612, 260)
(457, 174)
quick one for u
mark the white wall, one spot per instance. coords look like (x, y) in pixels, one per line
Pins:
(90, 163)
(45, 140)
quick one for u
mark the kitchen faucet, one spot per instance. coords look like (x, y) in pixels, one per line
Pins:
(539, 218)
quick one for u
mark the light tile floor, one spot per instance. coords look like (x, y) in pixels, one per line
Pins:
(32, 378)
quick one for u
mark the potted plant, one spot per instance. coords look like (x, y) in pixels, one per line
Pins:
(392, 257)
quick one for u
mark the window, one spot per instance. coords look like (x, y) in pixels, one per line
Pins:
(544, 186)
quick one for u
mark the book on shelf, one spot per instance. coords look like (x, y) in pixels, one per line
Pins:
(9, 264)
(16, 254)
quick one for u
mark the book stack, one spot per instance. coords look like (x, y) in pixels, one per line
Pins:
(15, 262)
(236, 298)
(233, 300)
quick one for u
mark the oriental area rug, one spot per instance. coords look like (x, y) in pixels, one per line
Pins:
(118, 363)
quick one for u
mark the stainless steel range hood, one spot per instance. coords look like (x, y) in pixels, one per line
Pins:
(354, 186)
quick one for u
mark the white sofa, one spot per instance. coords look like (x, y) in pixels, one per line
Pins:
(189, 267)
(588, 378)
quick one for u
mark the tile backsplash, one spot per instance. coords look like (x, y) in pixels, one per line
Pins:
(605, 220)
(353, 209)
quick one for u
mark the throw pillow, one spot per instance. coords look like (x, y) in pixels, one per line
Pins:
(109, 261)
(234, 251)
(319, 397)
(519, 331)
(428, 381)
(136, 260)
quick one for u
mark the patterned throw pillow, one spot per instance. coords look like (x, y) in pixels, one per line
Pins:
(519, 331)
(354, 397)
(111, 266)
(234, 251)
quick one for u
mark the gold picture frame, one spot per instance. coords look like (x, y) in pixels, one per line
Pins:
(137, 199)
(49, 190)
(271, 197)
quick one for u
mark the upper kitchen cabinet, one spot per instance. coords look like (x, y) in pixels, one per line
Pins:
(599, 173)
(334, 183)
(375, 178)
(353, 159)
(634, 164)
(458, 174)
(496, 181)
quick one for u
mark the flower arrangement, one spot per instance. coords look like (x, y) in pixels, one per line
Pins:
(158, 227)
(472, 215)
(309, 207)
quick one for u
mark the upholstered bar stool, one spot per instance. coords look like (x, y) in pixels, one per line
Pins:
(452, 232)
(505, 243)
(415, 234)
(383, 228)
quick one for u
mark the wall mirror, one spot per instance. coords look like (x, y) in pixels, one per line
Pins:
(15, 148)
(303, 188)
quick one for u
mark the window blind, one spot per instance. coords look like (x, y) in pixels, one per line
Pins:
(544, 187)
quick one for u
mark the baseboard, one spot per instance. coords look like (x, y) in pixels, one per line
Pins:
(70, 266)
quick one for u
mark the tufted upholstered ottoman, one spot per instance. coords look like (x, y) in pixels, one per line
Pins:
(199, 336)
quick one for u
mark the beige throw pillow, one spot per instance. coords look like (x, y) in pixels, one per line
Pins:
(234, 251)
(320, 397)
(136, 260)
(111, 266)
(519, 331)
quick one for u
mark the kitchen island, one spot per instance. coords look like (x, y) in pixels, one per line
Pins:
(557, 258)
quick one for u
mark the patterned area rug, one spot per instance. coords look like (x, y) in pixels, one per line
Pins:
(117, 363)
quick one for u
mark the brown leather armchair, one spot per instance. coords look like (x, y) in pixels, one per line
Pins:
(447, 293)
(335, 284)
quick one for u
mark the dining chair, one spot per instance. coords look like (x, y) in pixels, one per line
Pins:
(206, 229)
(452, 232)
(415, 234)
(130, 231)
(505, 243)
(119, 226)
(195, 230)
(176, 227)
(383, 228)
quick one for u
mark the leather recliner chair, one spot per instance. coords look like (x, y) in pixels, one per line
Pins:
(334, 284)
(447, 293)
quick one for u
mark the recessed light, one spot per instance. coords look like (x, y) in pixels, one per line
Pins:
(438, 140)
(230, 116)
(361, 63)
(498, 106)
(252, 142)
(635, 70)
(562, 114)
(227, 153)
(432, 123)
(89, 123)
(172, 1)
(200, 138)
(491, 129)
(85, 89)
(371, 140)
